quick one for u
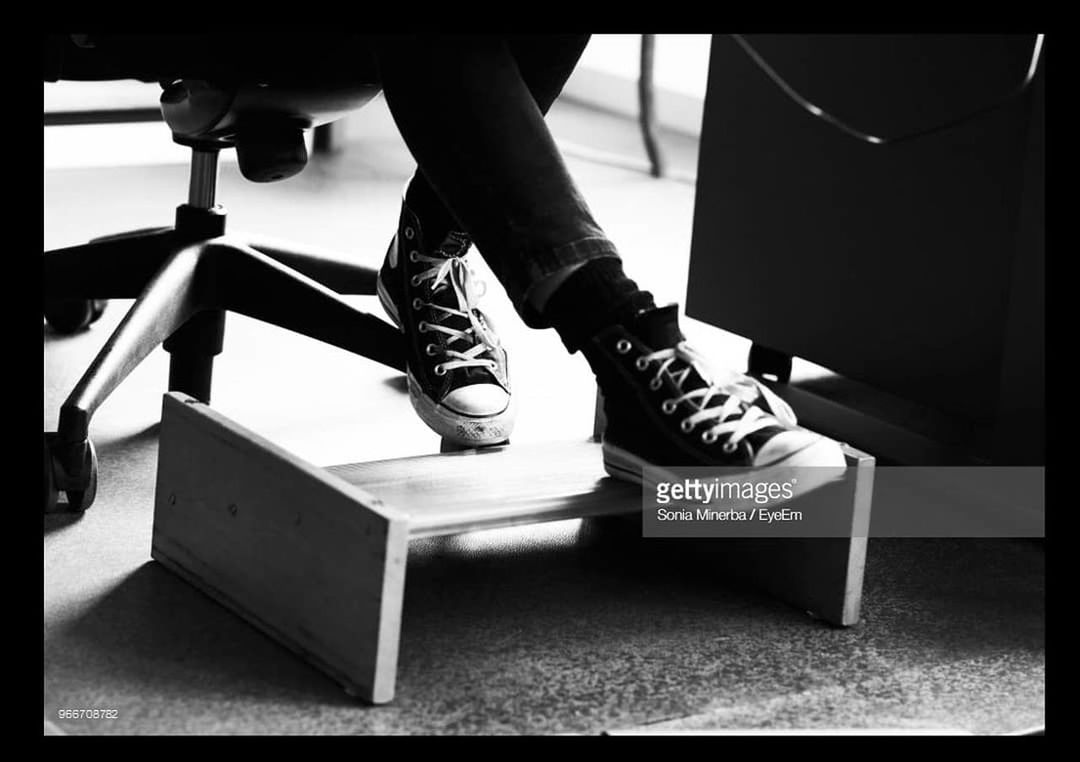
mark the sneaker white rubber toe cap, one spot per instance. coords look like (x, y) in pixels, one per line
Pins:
(800, 448)
(477, 400)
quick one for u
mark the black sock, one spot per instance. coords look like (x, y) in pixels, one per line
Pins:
(596, 295)
(435, 219)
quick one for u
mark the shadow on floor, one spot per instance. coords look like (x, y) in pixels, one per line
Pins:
(154, 634)
(575, 626)
(127, 444)
(53, 336)
(54, 522)
(398, 383)
(493, 622)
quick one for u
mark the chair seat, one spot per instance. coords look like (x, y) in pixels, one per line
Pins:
(200, 111)
(264, 122)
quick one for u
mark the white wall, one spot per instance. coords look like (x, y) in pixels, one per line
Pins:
(606, 77)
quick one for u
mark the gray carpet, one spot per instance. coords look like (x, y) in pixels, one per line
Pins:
(564, 628)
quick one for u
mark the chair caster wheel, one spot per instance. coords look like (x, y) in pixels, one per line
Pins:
(67, 316)
(764, 362)
(71, 470)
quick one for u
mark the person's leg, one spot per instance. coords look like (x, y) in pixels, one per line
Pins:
(545, 63)
(464, 110)
(471, 110)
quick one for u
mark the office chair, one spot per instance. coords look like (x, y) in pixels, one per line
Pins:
(184, 278)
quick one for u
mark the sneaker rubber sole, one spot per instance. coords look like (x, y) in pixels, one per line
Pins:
(466, 430)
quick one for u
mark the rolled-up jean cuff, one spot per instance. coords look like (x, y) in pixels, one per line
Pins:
(542, 265)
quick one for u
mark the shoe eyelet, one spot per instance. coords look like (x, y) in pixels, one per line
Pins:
(493, 365)
(418, 303)
(641, 363)
(413, 255)
(428, 350)
(414, 281)
(422, 326)
(622, 346)
(686, 425)
(409, 233)
(668, 406)
(440, 370)
(655, 384)
(728, 446)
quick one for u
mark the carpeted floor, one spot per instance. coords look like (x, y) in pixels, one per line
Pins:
(564, 628)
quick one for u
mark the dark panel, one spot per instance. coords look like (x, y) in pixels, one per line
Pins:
(887, 263)
(1022, 432)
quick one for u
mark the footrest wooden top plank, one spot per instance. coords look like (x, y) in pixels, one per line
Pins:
(487, 488)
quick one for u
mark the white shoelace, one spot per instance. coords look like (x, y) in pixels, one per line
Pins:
(738, 388)
(454, 272)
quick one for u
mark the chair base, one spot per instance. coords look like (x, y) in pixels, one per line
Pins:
(184, 279)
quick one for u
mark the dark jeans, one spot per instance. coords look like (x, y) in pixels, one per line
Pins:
(470, 108)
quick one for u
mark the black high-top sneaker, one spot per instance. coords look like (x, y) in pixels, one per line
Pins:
(457, 370)
(665, 408)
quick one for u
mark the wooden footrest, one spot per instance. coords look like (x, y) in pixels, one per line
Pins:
(316, 557)
(495, 487)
